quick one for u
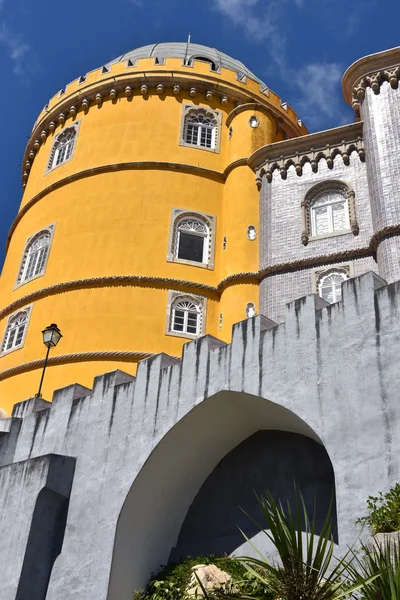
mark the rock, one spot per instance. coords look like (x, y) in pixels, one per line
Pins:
(210, 577)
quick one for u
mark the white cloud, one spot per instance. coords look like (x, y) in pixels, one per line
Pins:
(318, 85)
(258, 20)
(15, 47)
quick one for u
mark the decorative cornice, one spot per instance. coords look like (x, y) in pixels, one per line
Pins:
(125, 85)
(370, 71)
(311, 149)
(65, 359)
(126, 166)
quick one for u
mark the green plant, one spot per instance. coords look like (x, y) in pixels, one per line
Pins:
(383, 511)
(171, 582)
(384, 559)
(307, 569)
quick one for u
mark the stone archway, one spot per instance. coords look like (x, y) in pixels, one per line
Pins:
(157, 511)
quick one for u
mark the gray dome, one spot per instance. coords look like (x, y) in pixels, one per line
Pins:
(191, 51)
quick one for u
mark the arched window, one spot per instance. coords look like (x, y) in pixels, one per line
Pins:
(329, 209)
(14, 335)
(200, 128)
(191, 241)
(63, 147)
(35, 256)
(192, 238)
(329, 213)
(330, 285)
(212, 64)
(186, 314)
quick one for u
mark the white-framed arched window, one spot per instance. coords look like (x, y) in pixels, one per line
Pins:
(329, 209)
(200, 128)
(36, 254)
(329, 284)
(329, 213)
(186, 314)
(63, 146)
(15, 332)
(192, 238)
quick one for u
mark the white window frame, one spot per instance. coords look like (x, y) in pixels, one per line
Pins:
(176, 297)
(329, 206)
(55, 148)
(27, 310)
(190, 111)
(326, 187)
(180, 215)
(319, 276)
(21, 278)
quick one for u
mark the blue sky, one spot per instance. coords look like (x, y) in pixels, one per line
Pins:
(300, 48)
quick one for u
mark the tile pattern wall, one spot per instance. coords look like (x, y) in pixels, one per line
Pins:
(280, 211)
(381, 114)
(388, 257)
(277, 290)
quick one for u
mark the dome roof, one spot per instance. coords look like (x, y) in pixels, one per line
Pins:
(191, 51)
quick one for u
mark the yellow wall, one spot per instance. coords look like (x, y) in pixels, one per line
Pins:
(116, 223)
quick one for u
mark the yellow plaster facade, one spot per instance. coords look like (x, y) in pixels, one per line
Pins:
(107, 278)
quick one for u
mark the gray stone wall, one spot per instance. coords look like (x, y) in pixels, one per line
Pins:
(144, 447)
(289, 265)
(276, 290)
(381, 114)
(280, 214)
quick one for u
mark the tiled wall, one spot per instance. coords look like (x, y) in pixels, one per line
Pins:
(280, 211)
(277, 290)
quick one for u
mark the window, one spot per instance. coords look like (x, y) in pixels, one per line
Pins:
(185, 315)
(330, 213)
(192, 239)
(15, 333)
(63, 147)
(329, 283)
(328, 209)
(200, 131)
(200, 128)
(35, 256)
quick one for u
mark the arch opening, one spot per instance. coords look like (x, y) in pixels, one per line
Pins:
(222, 447)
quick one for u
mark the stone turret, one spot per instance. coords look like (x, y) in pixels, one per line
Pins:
(371, 86)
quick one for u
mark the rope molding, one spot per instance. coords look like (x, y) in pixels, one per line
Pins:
(235, 279)
(64, 359)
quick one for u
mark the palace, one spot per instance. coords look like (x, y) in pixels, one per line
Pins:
(235, 278)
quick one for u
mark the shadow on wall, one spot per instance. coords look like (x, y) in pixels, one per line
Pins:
(44, 544)
(266, 461)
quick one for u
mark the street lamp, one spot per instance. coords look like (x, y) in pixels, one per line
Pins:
(51, 337)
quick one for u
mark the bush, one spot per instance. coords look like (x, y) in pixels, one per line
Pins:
(383, 511)
(171, 582)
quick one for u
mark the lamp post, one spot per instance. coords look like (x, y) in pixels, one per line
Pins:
(51, 337)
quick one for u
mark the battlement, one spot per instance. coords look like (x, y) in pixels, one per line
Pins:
(143, 446)
(208, 364)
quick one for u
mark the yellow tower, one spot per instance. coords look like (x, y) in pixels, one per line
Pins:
(138, 226)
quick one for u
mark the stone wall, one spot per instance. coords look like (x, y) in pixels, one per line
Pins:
(144, 447)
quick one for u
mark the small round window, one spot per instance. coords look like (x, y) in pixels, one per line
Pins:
(254, 121)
